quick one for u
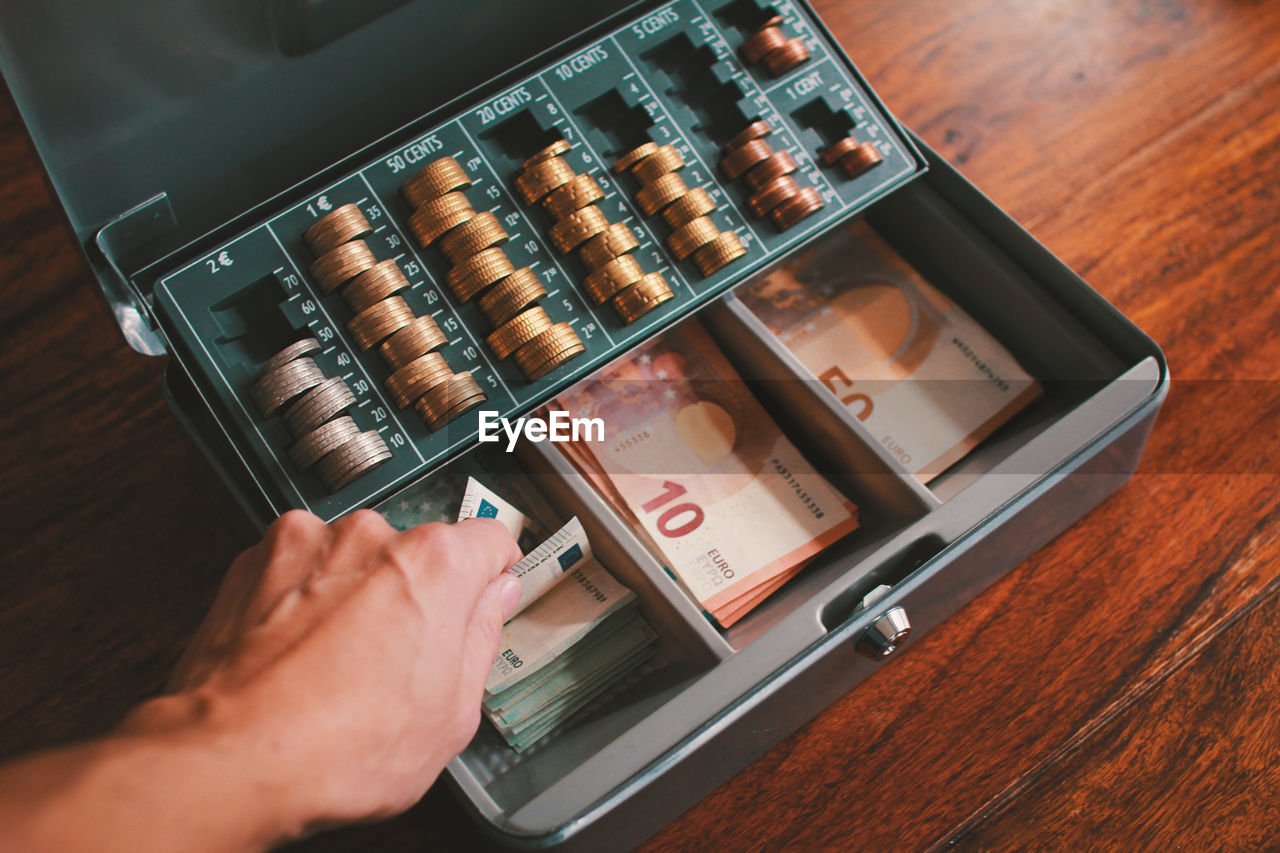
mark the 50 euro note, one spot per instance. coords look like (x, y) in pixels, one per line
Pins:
(694, 462)
(925, 379)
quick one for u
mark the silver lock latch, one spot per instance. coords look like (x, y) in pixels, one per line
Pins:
(885, 634)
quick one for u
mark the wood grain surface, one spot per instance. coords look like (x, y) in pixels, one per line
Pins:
(1116, 690)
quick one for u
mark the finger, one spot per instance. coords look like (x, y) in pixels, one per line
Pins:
(453, 563)
(292, 551)
(483, 639)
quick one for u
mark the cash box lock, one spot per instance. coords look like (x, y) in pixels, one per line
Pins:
(885, 634)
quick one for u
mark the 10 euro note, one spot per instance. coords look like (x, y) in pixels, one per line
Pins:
(925, 379)
(696, 463)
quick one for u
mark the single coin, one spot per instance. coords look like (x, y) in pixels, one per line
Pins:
(284, 383)
(436, 216)
(482, 231)
(519, 330)
(617, 239)
(571, 231)
(416, 338)
(322, 403)
(635, 155)
(510, 296)
(833, 152)
(297, 349)
(737, 161)
(758, 129)
(776, 165)
(697, 202)
(665, 159)
(543, 177)
(353, 458)
(642, 297)
(342, 263)
(771, 195)
(434, 180)
(781, 60)
(477, 272)
(662, 192)
(692, 235)
(762, 42)
(549, 350)
(321, 440)
(417, 377)
(796, 208)
(335, 228)
(556, 149)
(865, 156)
(623, 271)
(379, 321)
(579, 192)
(720, 252)
(374, 284)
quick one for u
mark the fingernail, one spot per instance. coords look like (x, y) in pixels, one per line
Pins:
(510, 593)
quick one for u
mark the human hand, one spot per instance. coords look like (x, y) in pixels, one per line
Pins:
(343, 665)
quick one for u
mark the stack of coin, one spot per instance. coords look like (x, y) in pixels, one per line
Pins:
(472, 243)
(572, 202)
(769, 46)
(374, 290)
(768, 175)
(448, 399)
(685, 210)
(314, 414)
(852, 156)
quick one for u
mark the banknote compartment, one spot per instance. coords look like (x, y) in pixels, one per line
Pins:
(687, 645)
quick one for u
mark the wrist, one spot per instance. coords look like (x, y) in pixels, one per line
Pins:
(208, 751)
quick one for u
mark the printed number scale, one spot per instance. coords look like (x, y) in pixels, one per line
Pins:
(600, 198)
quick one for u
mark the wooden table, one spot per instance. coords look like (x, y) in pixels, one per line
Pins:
(1119, 688)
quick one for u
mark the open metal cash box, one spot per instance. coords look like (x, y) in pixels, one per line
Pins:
(193, 144)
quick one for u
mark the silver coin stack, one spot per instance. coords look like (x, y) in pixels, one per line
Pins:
(312, 406)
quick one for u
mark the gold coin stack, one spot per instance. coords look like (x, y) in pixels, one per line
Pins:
(768, 175)
(770, 47)
(852, 156)
(472, 243)
(372, 288)
(579, 224)
(312, 407)
(685, 210)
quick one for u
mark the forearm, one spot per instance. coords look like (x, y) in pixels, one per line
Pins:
(182, 785)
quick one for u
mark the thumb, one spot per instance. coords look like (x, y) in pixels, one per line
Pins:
(484, 634)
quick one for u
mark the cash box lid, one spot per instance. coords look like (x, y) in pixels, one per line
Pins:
(158, 121)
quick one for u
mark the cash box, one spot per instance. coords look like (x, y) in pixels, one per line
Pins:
(195, 147)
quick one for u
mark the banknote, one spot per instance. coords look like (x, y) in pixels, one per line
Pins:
(694, 461)
(925, 379)
(555, 622)
(480, 501)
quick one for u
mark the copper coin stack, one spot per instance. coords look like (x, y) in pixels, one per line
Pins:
(580, 225)
(768, 175)
(769, 46)
(852, 156)
(313, 408)
(685, 210)
(472, 243)
(371, 288)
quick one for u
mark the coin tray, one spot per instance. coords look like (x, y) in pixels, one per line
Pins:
(640, 79)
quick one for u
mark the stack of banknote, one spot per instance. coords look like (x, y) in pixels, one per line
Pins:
(698, 467)
(925, 379)
(576, 633)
